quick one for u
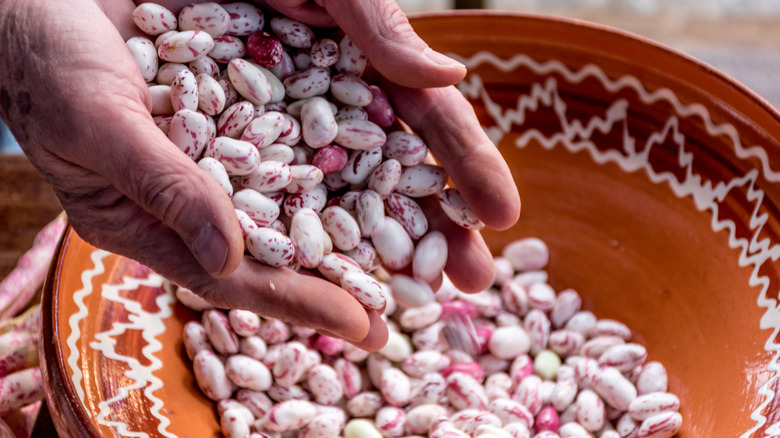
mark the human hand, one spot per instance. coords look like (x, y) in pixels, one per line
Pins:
(80, 109)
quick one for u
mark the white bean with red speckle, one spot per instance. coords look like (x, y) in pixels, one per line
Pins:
(360, 165)
(359, 134)
(209, 17)
(259, 208)
(210, 375)
(312, 82)
(268, 176)
(421, 180)
(248, 372)
(205, 65)
(341, 226)
(527, 254)
(385, 177)
(409, 149)
(591, 412)
(334, 265)
(624, 357)
(244, 322)
(217, 171)
(185, 46)
(251, 83)
(652, 378)
(418, 317)
(323, 382)
(365, 255)
(565, 342)
(455, 207)
(168, 71)
(511, 411)
(235, 118)
(218, 330)
(244, 18)
(352, 59)
(154, 19)
(245, 222)
(408, 213)
(567, 304)
(395, 387)
(189, 132)
(390, 421)
(322, 426)
(307, 234)
(227, 48)
(663, 425)
(270, 246)
(410, 292)
(195, 339)
(234, 425)
(145, 55)
(290, 366)
(393, 244)
(465, 392)
(654, 403)
(370, 212)
(365, 404)
(289, 415)
(350, 90)
(365, 289)
(324, 52)
(318, 125)
(614, 388)
(598, 345)
(315, 199)
(509, 342)
(238, 157)
(537, 325)
(264, 129)
(430, 256)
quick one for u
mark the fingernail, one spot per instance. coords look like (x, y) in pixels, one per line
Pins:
(210, 248)
(442, 59)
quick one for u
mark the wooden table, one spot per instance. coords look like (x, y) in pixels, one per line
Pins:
(27, 203)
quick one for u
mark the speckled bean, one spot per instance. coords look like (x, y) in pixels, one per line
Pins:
(195, 339)
(410, 292)
(205, 65)
(209, 17)
(430, 256)
(365, 255)
(324, 52)
(238, 157)
(210, 375)
(361, 164)
(311, 82)
(359, 134)
(249, 81)
(211, 96)
(365, 404)
(352, 59)
(247, 372)
(145, 55)
(421, 180)
(614, 388)
(218, 330)
(365, 289)
(289, 415)
(664, 425)
(315, 199)
(342, 228)
(245, 18)
(465, 392)
(408, 213)
(590, 410)
(185, 46)
(259, 208)
(393, 244)
(307, 235)
(154, 19)
(527, 254)
(318, 125)
(234, 424)
(269, 176)
(624, 357)
(652, 378)
(271, 247)
(350, 90)
(189, 132)
(418, 317)
(227, 48)
(455, 207)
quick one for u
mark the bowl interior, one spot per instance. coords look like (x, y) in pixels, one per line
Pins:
(648, 174)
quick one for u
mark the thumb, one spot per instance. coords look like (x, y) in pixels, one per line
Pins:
(392, 46)
(152, 172)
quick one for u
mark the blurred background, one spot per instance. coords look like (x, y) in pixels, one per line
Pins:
(739, 37)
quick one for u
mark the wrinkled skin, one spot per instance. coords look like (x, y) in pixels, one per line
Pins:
(77, 104)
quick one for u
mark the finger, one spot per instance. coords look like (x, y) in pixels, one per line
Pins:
(392, 46)
(469, 262)
(449, 126)
(377, 333)
(272, 292)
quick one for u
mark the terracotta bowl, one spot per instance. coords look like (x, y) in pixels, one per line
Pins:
(654, 179)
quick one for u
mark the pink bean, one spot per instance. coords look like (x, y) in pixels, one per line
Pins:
(379, 110)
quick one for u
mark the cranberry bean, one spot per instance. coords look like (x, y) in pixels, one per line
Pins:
(360, 165)
(249, 81)
(365, 289)
(365, 404)
(318, 125)
(453, 204)
(209, 17)
(342, 228)
(238, 157)
(314, 199)
(379, 110)
(590, 410)
(352, 60)
(393, 244)
(370, 212)
(359, 134)
(271, 247)
(145, 55)
(350, 90)
(465, 392)
(154, 19)
(408, 213)
(312, 82)
(663, 425)
(385, 177)
(624, 357)
(307, 234)
(185, 46)
(421, 180)
(218, 330)
(226, 48)
(652, 378)
(189, 131)
(262, 210)
(289, 415)
(390, 421)
(614, 388)
(365, 255)
(210, 375)
(244, 18)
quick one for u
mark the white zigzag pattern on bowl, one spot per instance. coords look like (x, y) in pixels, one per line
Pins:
(150, 324)
(705, 196)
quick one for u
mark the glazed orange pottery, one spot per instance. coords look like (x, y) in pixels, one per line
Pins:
(653, 178)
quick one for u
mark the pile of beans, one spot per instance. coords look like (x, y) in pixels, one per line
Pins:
(312, 156)
(542, 368)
